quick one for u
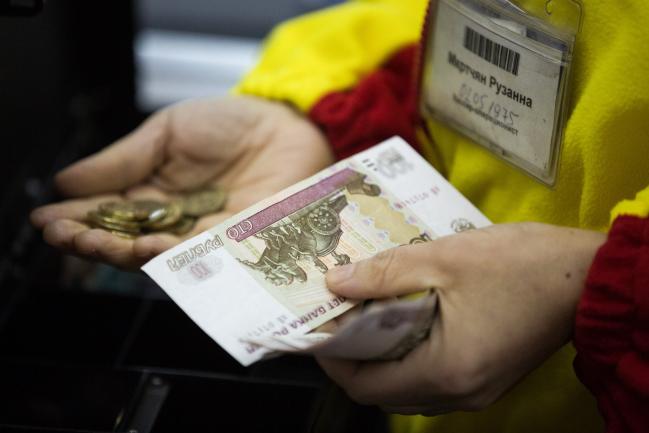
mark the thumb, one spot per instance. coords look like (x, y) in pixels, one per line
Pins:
(393, 272)
(125, 163)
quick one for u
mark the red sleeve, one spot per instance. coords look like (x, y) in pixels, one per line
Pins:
(383, 104)
(612, 327)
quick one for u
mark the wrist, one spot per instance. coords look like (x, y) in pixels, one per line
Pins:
(572, 251)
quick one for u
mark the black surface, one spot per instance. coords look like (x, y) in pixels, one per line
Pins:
(199, 405)
(70, 327)
(168, 338)
(62, 365)
(27, 429)
(55, 396)
(67, 361)
(66, 90)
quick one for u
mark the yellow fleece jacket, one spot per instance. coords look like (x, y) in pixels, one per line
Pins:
(604, 159)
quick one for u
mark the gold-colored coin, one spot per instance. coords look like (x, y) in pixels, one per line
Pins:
(157, 214)
(155, 210)
(138, 210)
(97, 220)
(128, 219)
(182, 227)
(172, 216)
(204, 201)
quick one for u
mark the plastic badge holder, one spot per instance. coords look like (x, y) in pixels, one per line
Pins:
(498, 72)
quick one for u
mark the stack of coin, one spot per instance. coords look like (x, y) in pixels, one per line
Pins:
(129, 219)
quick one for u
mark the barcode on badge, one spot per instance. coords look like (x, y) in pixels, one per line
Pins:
(492, 52)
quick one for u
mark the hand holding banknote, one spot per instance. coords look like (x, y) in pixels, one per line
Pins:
(250, 147)
(507, 296)
(255, 283)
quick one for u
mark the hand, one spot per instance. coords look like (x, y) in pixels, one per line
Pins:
(252, 147)
(507, 300)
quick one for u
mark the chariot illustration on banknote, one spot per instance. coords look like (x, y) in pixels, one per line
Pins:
(288, 243)
(311, 233)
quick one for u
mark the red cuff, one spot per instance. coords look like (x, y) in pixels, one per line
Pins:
(612, 327)
(383, 104)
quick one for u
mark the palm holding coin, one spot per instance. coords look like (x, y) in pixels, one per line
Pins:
(244, 147)
(130, 219)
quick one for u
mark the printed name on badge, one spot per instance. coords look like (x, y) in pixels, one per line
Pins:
(493, 76)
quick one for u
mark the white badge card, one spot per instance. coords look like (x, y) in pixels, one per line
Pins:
(499, 76)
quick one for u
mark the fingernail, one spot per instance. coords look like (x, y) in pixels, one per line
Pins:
(340, 274)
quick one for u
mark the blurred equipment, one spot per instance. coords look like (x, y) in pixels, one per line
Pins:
(202, 47)
(173, 66)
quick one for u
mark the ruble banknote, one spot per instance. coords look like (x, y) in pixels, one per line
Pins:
(256, 282)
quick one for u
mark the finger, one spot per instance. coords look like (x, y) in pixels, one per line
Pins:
(383, 383)
(330, 327)
(393, 272)
(126, 162)
(103, 246)
(338, 370)
(147, 247)
(60, 233)
(77, 238)
(209, 221)
(76, 209)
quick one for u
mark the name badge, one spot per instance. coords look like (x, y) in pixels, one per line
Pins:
(499, 76)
